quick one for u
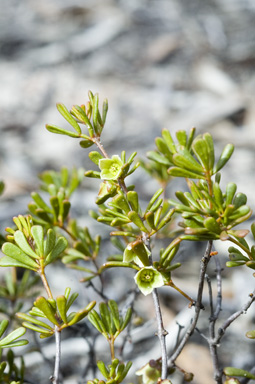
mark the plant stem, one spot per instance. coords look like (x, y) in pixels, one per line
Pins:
(204, 262)
(161, 333)
(229, 321)
(46, 285)
(161, 330)
(98, 143)
(111, 342)
(55, 379)
(212, 345)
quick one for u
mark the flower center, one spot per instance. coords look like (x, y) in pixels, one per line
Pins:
(147, 276)
(114, 169)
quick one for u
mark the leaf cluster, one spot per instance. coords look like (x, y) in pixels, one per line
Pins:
(88, 115)
(30, 248)
(55, 312)
(114, 373)
(108, 321)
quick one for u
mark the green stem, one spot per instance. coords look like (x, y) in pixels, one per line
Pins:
(45, 283)
(111, 342)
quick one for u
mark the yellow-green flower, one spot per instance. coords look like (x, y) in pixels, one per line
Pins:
(147, 279)
(149, 375)
(110, 168)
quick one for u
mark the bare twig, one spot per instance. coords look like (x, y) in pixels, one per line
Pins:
(213, 318)
(229, 321)
(161, 333)
(204, 262)
(55, 378)
(161, 330)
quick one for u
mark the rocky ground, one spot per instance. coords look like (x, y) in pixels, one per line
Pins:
(164, 63)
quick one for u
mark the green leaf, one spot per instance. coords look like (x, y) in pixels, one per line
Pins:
(218, 196)
(38, 235)
(106, 318)
(253, 230)
(181, 137)
(60, 246)
(95, 112)
(71, 300)
(135, 218)
(96, 321)
(86, 143)
(14, 335)
(93, 174)
(224, 157)
(33, 320)
(40, 202)
(180, 172)
(132, 197)
(150, 217)
(61, 303)
(251, 264)
(81, 314)
(3, 326)
(168, 139)
(163, 148)
(49, 242)
(46, 308)
(9, 262)
(126, 319)
(102, 368)
(95, 157)
(152, 155)
(17, 254)
(13, 344)
(38, 329)
(166, 219)
(120, 201)
(115, 313)
(80, 115)
(212, 225)
(232, 371)
(200, 149)
(66, 114)
(184, 159)
(120, 371)
(61, 131)
(210, 148)
(241, 211)
(154, 198)
(235, 263)
(21, 241)
(105, 110)
(239, 200)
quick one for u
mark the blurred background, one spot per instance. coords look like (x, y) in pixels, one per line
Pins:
(161, 63)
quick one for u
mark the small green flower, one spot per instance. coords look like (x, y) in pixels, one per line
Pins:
(110, 168)
(150, 375)
(147, 279)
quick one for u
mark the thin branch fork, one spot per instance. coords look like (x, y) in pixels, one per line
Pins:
(233, 317)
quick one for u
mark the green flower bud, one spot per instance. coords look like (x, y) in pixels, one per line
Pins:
(147, 279)
(110, 168)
